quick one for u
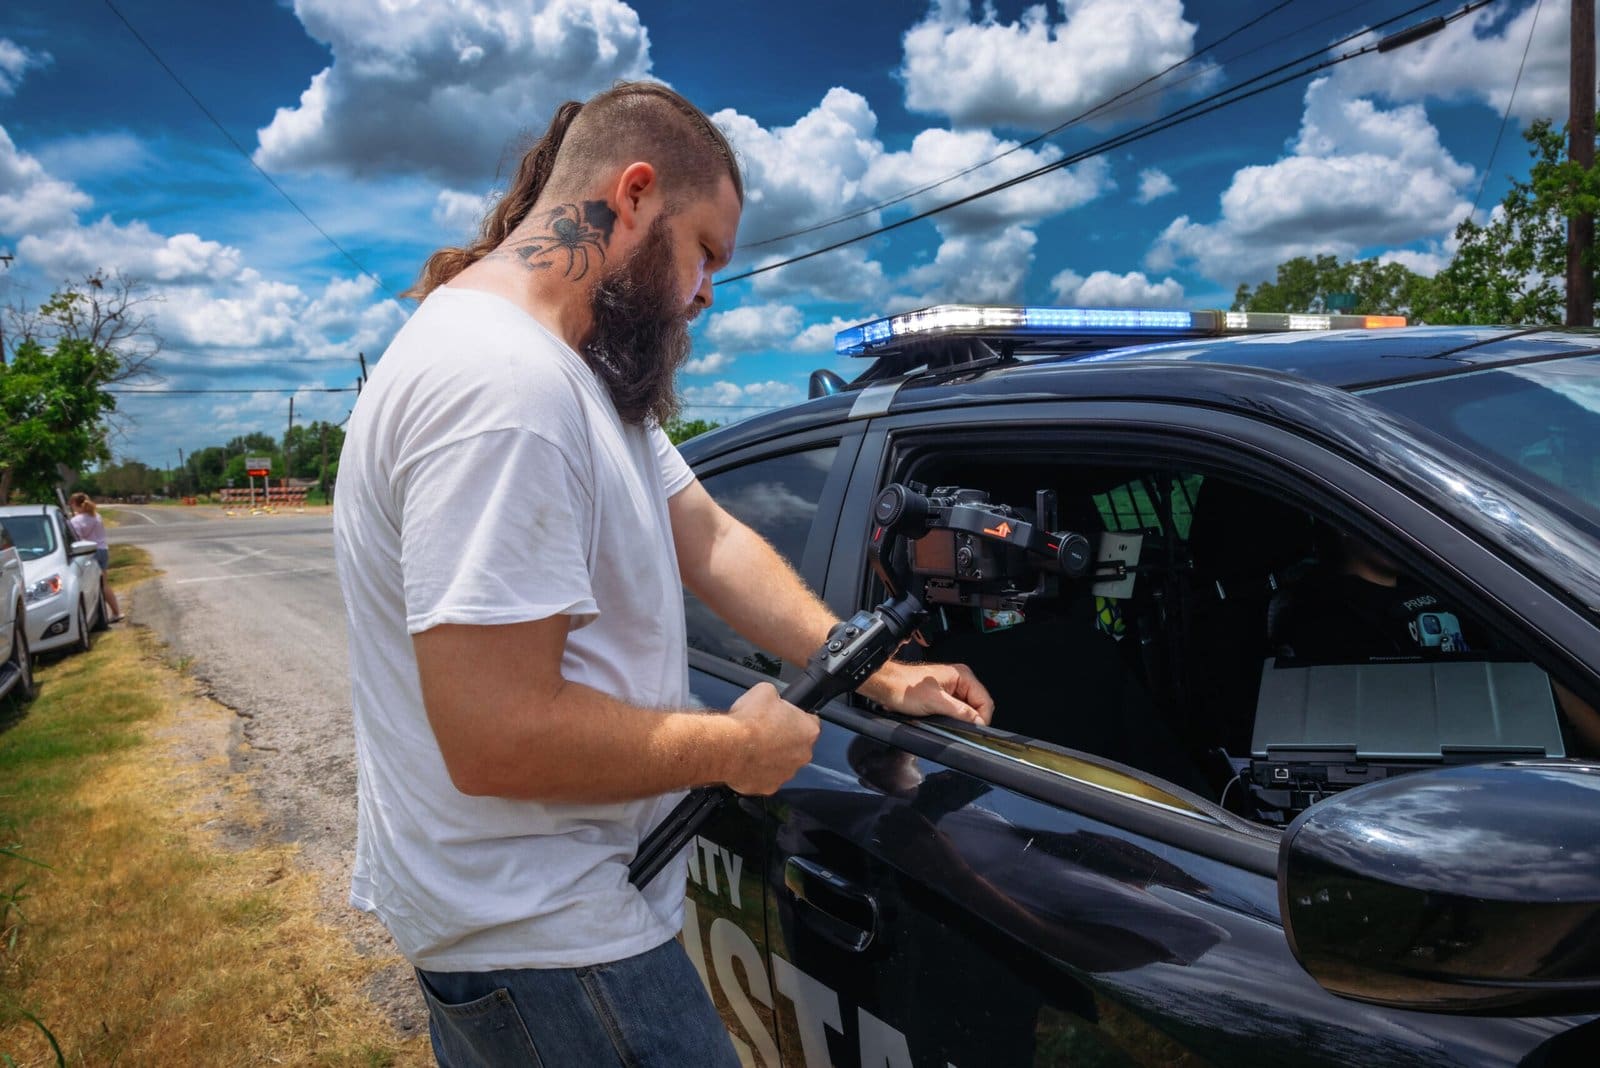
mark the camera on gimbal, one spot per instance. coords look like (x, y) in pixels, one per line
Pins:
(964, 549)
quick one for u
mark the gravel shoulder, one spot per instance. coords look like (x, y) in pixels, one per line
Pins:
(251, 608)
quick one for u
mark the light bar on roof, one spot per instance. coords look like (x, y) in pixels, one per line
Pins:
(998, 323)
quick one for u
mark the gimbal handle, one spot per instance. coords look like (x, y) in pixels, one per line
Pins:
(861, 644)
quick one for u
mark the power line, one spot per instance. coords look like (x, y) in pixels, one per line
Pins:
(1178, 117)
(1080, 117)
(692, 404)
(1489, 166)
(188, 392)
(242, 151)
(345, 389)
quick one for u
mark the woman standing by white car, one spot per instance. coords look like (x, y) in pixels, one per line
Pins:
(86, 526)
(62, 595)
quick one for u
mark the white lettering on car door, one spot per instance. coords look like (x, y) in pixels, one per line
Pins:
(816, 1005)
(691, 941)
(729, 944)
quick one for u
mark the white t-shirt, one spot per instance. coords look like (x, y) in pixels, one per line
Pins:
(487, 479)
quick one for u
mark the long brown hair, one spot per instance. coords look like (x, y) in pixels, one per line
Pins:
(631, 120)
(81, 503)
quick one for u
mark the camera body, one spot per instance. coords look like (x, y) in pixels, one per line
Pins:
(956, 567)
(965, 550)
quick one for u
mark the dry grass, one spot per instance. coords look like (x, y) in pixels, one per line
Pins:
(152, 937)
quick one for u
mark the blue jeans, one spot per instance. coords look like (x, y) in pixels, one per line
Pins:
(649, 1010)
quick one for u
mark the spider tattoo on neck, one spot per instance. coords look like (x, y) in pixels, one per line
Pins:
(579, 231)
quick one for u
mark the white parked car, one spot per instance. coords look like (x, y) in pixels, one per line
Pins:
(16, 670)
(62, 589)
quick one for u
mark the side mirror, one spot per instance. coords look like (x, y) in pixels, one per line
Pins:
(1469, 889)
(82, 548)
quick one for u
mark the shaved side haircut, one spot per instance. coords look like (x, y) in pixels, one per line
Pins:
(631, 121)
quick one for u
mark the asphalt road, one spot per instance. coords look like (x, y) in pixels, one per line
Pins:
(251, 606)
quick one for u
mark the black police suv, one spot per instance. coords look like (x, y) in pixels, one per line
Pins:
(1294, 763)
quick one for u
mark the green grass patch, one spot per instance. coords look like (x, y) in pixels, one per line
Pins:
(128, 932)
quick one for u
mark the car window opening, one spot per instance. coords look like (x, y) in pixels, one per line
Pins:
(1250, 653)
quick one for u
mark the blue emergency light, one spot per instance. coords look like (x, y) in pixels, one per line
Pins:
(1023, 324)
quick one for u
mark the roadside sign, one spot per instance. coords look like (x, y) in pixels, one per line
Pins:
(258, 466)
(1340, 302)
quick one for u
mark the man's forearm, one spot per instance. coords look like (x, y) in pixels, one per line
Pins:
(753, 588)
(585, 746)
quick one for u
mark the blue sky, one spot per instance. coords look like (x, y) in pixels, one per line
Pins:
(389, 124)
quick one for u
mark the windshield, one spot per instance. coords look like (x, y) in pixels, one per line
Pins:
(1538, 422)
(35, 535)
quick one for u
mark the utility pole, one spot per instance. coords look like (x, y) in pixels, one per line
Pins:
(325, 493)
(287, 469)
(180, 473)
(1580, 150)
(7, 259)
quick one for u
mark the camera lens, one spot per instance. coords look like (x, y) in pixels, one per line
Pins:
(898, 506)
(1073, 555)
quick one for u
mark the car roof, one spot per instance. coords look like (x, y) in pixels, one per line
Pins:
(1364, 359)
(27, 509)
(1347, 360)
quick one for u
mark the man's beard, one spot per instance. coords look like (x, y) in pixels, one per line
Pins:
(640, 332)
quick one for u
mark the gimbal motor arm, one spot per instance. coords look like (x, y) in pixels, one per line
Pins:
(860, 645)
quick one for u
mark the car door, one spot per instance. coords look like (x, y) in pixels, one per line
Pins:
(11, 587)
(940, 894)
(784, 490)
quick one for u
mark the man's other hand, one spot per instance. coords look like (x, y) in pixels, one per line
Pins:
(931, 690)
(775, 741)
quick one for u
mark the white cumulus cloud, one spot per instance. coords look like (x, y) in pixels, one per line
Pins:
(133, 249)
(830, 162)
(1154, 184)
(1477, 59)
(15, 61)
(971, 269)
(709, 364)
(440, 88)
(936, 154)
(725, 402)
(31, 199)
(818, 337)
(751, 327)
(1358, 175)
(1043, 68)
(1107, 289)
(460, 213)
(805, 172)
(845, 275)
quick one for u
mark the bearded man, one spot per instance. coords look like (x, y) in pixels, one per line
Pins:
(513, 531)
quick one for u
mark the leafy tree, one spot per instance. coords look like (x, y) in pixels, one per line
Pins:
(1304, 284)
(128, 479)
(304, 444)
(254, 443)
(1513, 268)
(681, 430)
(1510, 269)
(53, 405)
(55, 364)
(204, 470)
(109, 312)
